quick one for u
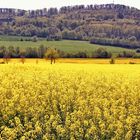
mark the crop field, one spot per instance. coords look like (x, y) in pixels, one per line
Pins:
(75, 60)
(69, 101)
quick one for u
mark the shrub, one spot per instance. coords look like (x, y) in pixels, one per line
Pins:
(137, 50)
(112, 61)
(132, 62)
(101, 53)
(127, 54)
(34, 39)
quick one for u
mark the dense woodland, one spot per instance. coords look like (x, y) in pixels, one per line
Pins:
(109, 24)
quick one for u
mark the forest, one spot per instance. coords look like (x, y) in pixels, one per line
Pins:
(107, 24)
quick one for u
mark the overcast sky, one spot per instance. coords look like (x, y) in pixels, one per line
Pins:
(37, 4)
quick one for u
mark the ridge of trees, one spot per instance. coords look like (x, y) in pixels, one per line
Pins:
(11, 12)
(107, 24)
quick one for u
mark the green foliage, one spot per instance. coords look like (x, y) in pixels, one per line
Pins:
(52, 54)
(109, 24)
(132, 39)
(131, 43)
(127, 54)
(112, 61)
(34, 39)
(66, 48)
(138, 51)
(101, 53)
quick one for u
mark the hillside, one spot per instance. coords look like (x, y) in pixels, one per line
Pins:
(109, 24)
(13, 47)
(68, 46)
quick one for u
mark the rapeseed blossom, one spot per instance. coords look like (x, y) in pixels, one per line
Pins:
(69, 101)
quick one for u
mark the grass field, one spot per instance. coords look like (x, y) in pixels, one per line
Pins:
(69, 101)
(64, 45)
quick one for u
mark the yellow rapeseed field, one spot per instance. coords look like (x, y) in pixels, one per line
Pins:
(69, 102)
(78, 60)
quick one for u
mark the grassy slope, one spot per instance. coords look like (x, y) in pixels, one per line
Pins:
(65, 45)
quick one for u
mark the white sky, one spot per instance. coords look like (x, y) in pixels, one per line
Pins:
(38, 4)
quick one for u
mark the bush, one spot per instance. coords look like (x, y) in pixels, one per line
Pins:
(127, 54)
(34, 39)
(101, 53)
(112, 61)
(138, 51)
(124, 43)
(132, 38)
(136, 56)
(21, 39)
(81, 55)
(132, 62)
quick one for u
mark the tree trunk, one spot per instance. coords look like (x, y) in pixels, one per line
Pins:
(51, 60)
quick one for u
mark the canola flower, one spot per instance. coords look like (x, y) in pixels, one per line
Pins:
(69, 102)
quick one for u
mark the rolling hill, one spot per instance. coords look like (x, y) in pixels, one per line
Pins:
(106, 24)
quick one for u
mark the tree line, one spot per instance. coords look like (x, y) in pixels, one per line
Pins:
(66, 9)
(43, 52)
(131, 43)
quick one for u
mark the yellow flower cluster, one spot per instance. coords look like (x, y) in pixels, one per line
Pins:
(69, 102)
